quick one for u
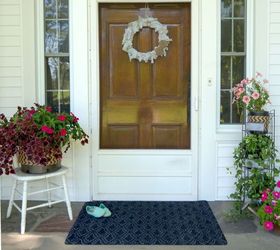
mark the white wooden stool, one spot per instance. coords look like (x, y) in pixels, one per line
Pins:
(25, 178)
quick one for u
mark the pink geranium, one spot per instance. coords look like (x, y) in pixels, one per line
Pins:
(268, 209)
(49, 109)
(264, 196)
(278, 184)
(47, 129)
(255, 95)
(63, 132)
(268, 225)
(246, 99)
(61, 118)
(276, 195)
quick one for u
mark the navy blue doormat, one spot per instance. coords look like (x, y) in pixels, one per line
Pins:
(148, 223)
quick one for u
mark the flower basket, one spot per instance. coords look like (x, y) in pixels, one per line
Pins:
(28, 166)
(37, 136)
(259, 117)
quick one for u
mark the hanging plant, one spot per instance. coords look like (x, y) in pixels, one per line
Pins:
(136, 26)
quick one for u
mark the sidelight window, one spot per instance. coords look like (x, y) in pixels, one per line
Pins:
(233, 56)
(57, 64)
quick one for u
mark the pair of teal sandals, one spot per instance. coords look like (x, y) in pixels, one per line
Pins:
(98, 212)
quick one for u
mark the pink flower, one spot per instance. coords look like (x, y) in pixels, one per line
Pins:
(268, 225)
(264, 196)
(246, 99)
(265, 80)
(47, 129)
(63, 132)
(244, 81)
(61, 118)
(49, 109)
(276, 195)
(268, 209)
(75, 119)
(278, 184)
(255, 95)
(258, 74)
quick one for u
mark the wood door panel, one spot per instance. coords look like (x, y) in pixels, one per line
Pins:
(124, 136)
(121, 72)
(167, 136)
(144, 105)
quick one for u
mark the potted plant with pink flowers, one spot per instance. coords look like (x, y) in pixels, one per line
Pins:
(269, 211)
(252, 95)
(38, 137)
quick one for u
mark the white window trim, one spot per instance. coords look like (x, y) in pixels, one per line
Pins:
(250, 11)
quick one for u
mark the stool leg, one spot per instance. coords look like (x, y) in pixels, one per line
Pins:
(49, 193)
(23, 208)
(67, 198)
(9, 211)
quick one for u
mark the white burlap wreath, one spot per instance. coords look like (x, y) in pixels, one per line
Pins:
(136, 26)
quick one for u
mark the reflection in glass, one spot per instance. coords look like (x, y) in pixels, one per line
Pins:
(226, 36)
(51, 71)
(65, 101)
(51, 43)
(62, 8)
(239, 36)
(64, 73)
(238, 69)
(239, 8)
(225, 107)
(63, 37)
(52, 100)
(226, 8)
(50, 8)
(225, 72)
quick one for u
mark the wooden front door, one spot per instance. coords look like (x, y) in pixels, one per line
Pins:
(144, 105)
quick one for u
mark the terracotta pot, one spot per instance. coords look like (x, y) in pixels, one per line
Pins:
(30, 167)
(259, 117)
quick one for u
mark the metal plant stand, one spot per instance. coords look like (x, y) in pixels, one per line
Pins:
(247, 129)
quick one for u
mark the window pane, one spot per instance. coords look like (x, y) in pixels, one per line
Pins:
(65, 101)
(51, 71)
(226, 8)
(236, 114)
(64, 73)
(62, 8)
(239, 8)
(239, 36)
(225, 107)
(226, 35)
(51, 44)
(225, 72)
(50, 8)
(52, 100)
(63, 38)
(238, 69)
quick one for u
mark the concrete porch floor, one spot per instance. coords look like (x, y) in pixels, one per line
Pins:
(47, 228)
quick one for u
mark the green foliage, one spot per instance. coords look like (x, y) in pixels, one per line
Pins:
(258, 153)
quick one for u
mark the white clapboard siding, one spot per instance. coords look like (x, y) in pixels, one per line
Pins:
(274, 63)
(11, 71)
(225, 169)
